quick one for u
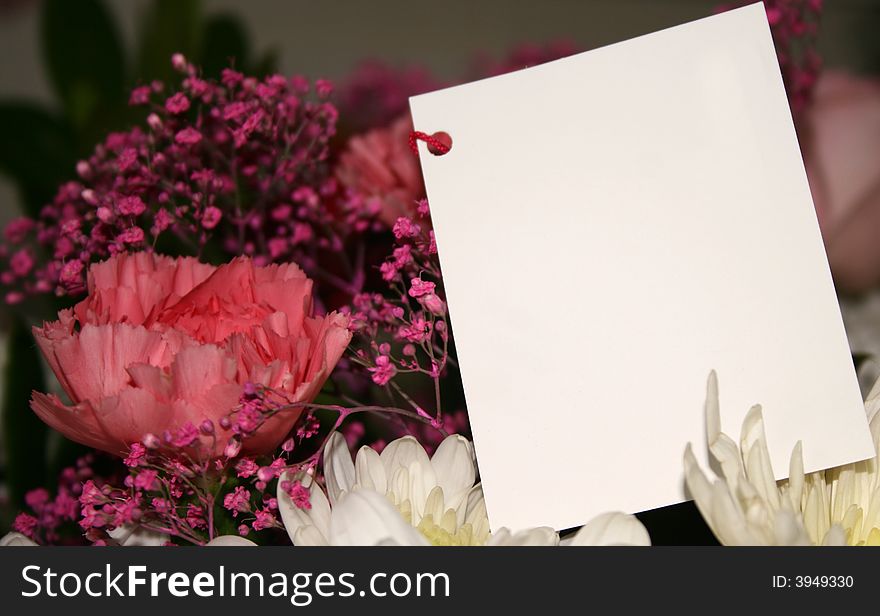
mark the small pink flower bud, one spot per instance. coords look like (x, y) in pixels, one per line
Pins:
(151, 441)
(287, 445)
(207, 427)
(178, 61)
(88, 195)
(154, 121)
(105, 214)
(233, 448)
(83, 169)
(433, 304)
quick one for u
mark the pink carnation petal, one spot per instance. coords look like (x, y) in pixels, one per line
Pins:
(78, 423)
(196, 369)
(130, 415)
(92, 364)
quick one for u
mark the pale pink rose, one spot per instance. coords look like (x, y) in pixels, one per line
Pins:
(380, 164)
(841, 135)
(162, 342)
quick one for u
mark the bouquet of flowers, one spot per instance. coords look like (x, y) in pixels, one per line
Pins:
(251, 293)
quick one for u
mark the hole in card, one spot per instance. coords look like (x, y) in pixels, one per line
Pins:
(440, 144)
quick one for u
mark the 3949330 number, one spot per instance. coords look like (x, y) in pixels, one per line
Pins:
(813, 581)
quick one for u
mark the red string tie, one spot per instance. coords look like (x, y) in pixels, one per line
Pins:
(438, 144)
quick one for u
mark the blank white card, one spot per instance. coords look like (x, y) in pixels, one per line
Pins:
(612, 226)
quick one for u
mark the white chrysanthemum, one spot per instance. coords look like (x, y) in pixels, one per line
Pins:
(747, 506)
(16, 540)
(403, 497)
(126, 535)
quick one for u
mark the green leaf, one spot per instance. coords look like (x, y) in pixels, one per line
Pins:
(84, 57)
(36, 152)
(24, 435)
(225, 43)
(170, 26)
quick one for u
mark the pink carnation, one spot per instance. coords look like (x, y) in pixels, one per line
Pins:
(162, 344)
(380, 164)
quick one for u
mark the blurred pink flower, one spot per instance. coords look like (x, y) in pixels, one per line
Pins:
(160, 344)
(380, 164)
(841, 136)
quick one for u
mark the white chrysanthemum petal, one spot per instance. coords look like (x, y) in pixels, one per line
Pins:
(339, 473)
(815, 514)
(756, 458)
(795, 488)
(475, 514)
(364, 517)
(698, 486)
(317, 516)
(448, 521)
(308, 536)
(421, 481)
(872, 515)
(320, 511)
(369, 471)
(398, 486)
(541, 536)
(389, 543)
(406, 453)
(453, 464)
(712, 408)
(225, 541)
(16, 540)
(721, 447)
(835, 536)
(874, 423)
(434, 505)
(132, 535)
(852, 520)
(729, 522)
(612, 528)
(401, 453)
(872, 403)
(788, 530)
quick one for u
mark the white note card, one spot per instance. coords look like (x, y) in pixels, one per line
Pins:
(611, 227)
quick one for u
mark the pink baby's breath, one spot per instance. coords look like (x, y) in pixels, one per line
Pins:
(178, 103)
